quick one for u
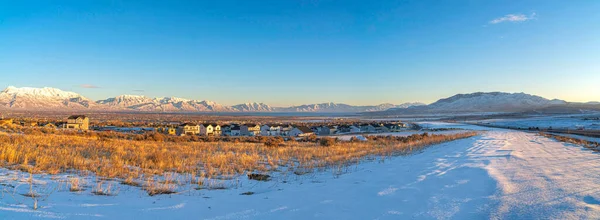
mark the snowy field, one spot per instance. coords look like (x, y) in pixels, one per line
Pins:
(500, 174)
(347, 137)
(556, 122)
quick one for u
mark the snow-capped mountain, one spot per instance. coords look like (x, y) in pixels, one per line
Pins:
(143, 103)
(125, 101)
(385, 107)
(42, 99)
(493, 101)
(58, 100)
(484, 102)
(338, 107)
(253, 107)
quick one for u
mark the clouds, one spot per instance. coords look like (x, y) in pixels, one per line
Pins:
(513, 18)
(88, 86)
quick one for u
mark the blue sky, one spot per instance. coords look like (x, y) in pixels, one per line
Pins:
(297, 52)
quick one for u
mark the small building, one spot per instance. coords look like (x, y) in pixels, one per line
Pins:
(270, 130)
(167, 130)
(327, 130)
(264, 130)
(206, 129)
(354, 129)
(217, 130)
(210, 129)
(301, 131)
(367, 128)
(285, 130)
(250, 130)
(80, 122)
(188, 129)
(226, 130)
(395, 127)
(381, 129)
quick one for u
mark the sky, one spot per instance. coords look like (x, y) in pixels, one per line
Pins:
(291, 52)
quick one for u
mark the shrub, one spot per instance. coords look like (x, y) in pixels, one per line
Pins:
(327, 142)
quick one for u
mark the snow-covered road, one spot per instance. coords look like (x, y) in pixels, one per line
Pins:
(500, 174)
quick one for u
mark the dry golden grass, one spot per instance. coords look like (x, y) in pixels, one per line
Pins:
(587, 144)
(152, 164)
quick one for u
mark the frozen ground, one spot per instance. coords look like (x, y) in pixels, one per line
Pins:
(347, 137)
(500, 174)
(556, 122)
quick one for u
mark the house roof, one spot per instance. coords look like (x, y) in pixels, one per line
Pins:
(250, 125)
(77, 116)
(235, 127)
(305, 129)
(189, 124)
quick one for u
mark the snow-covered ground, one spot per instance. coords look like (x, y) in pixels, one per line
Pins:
(500, 174)
(347, 137)
(556, 122)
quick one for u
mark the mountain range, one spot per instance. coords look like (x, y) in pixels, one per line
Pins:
(500, 102)
(53, 99)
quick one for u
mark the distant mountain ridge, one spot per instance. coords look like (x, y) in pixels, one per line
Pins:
(485, 102)
(338, 107)
(53, 99)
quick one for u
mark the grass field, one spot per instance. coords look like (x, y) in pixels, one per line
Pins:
(158, 166)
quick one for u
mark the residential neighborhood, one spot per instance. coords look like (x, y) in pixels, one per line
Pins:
(299, 129)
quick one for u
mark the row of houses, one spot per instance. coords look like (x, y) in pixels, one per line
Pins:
(362, 128)
(209, 129)
(78, 122)
(81, 122)
(236, 130)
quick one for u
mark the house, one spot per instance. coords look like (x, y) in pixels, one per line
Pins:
(80, 122)
(210, 129)
(250, 130)
(327, 130)
(188, 129)
(354, 129)
(367, 128)
(381, 129)
(235, 130)
(206, 129)
(268, 130)
(301, 131)
(395, 127)
(217, 130)
(348, 129)
(167, 130)
(226, 130)
(285, 130)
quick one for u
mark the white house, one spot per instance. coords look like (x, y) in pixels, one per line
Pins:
(264, 130)
(270, 130)
(250, 130)
(301, 131)
(285, 130)
(210, 129)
